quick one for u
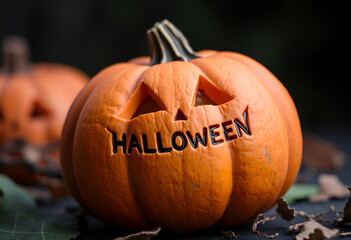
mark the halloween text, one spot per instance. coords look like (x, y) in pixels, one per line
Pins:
(232, 129)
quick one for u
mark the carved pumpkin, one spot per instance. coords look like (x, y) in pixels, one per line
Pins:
(34, 101)
(183, 141)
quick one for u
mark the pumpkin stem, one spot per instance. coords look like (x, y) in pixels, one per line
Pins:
(167, 43)
(15, 55)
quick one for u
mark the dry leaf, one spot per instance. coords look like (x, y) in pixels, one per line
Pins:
(345, 234)
(312, 230)
(32, 154)
(331, 187)
(321, 154)
(262, 219)
(229, 234)
(144, 235)
(284, 211)
(347, 210)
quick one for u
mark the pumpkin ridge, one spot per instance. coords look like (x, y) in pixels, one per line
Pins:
(221, 119)
(129, 162)
(255, 83)
(232, 164)
(73, 116)
(136, 196)
(282, 107)
(231, 150)
(112, 108)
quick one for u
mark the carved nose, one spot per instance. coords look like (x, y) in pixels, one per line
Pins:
(180, 116)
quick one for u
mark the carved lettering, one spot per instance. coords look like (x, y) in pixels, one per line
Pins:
(133, 143)
(160, 147)
(227, 130)
(146, 146)
(116, 143)
(244, 127)
(197, 138)
(182, 137)
(178, 141)
(214, 134)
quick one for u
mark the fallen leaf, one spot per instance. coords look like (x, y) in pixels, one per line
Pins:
(19, 219)
(345, 234)
(312, 230)
(321, 154)
(300, 191)
(331, 187)
(32, 154)
(229, 234)
(262, 219)
(144, 235)
(284, 211)
(347, 210)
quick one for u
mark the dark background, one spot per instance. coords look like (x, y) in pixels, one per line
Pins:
(302, 42)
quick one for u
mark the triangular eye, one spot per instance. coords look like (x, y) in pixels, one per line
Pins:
(147, 106)
(209, 94)
(203, 99)
(143, 101)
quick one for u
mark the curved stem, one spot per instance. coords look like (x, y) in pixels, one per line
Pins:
(167, 43)
(15, 55)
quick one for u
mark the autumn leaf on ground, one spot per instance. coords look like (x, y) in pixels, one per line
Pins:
(347, 210)
(321, 154)
(19, 219)
(312, 230)
(229, 234)
(144, 235)
(331, 187)
(284, 211)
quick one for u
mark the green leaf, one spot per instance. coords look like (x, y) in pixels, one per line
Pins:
(19, 219)
(300, 191)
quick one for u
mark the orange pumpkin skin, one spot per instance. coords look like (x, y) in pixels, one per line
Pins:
(223, 182)
(50, 87)
(34, 101)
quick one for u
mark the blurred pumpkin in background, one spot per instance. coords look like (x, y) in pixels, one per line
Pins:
(34, 101)
(181, 140)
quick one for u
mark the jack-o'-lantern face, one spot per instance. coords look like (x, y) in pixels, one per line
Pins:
(144, 107)
(25, 114)
(183, 142)
(34, 101)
